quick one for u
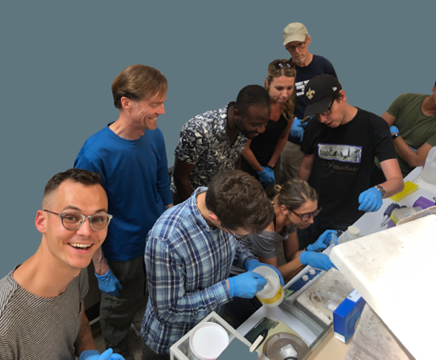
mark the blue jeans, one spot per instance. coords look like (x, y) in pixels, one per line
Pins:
(320, 224)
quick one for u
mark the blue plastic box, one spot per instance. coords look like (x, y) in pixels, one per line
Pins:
(346, 315)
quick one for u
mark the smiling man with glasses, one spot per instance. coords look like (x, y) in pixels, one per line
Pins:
(296, 41)
(42, 311)
(339, 147)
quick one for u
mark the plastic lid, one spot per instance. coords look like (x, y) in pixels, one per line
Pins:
(354, 231)
(305, 277)
(273, 284)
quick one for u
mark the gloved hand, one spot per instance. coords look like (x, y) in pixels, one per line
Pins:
(109, 284)
(246, 285)
(297, 128)
(323, 241)
(394, 129)
(95, 355)
(412, 148)
(316, 260)
(266, 176)
(254, 263)
(370, 200)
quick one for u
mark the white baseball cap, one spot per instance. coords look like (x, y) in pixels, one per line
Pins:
(294, 32)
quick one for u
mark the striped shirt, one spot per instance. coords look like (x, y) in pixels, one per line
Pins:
(34, 327)
(187, 263)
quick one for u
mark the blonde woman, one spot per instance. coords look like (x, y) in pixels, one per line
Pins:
(261, 153)
(295, 206)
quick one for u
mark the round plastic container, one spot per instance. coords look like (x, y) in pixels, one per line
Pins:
(208, 340)
(272, 294)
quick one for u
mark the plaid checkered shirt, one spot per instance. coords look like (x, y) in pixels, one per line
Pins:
(187, 264)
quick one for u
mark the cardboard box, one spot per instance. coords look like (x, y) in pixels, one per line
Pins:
(346, 315)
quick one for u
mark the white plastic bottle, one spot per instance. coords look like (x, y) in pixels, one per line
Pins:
(353, 232)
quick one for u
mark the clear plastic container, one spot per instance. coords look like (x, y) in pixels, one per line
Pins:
(272, 294)
(353, 232)
(428, 173)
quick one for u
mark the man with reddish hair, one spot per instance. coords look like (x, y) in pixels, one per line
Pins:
(130, 155)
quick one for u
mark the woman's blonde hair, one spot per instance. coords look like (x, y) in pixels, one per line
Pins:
(283, 67)
(294, 193)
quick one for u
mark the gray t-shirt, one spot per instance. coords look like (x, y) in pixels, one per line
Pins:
(33, 327)
(263, 244)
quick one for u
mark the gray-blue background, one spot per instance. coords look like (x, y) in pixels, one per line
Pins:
(58, 60)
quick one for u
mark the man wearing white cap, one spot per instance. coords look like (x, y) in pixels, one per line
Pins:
(296, 40)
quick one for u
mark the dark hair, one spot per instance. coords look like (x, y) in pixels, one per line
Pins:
(136, 82)
(239, 201)
(81, 176)
(252, 95)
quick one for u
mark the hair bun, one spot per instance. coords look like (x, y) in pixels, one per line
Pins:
(277, 188)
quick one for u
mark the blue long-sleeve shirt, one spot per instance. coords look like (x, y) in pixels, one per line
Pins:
(187, 263)
(135, 176)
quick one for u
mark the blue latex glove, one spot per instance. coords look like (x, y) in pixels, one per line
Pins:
(394, 129)
(95, 355)
(297, 129)
(316, 260)
(266, 176)
(109, 284)
(246, 285)
(254, 263)
(323, 241)
(370, 200)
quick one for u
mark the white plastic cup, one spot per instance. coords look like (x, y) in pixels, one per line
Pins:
(272, 294)
(208, 340)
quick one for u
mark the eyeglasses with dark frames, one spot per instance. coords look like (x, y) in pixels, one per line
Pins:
(300, 46)
(307, 216)
(236, 236)
(280, 64)
(73, 221)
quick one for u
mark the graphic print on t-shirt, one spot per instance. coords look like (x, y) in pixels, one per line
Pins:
(342, 153)
(300, 86)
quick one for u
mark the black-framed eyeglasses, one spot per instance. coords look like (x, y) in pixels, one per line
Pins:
(236, 236)
(307, 216)
(73, 221)
(300, 46)
(329, 109)
(281, 64)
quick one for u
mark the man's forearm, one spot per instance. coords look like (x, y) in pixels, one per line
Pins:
(184, 188)
(393, 186)
(99, 261)
(406, 153)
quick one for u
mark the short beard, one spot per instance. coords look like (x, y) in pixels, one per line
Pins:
(299, 61)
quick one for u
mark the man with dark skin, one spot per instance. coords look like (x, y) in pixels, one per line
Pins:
(214, 141)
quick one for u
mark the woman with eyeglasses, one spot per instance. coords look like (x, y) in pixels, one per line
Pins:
(295, 206)
(261, 153)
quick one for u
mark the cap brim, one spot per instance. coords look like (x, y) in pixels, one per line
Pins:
(318, 107)
(291, 38)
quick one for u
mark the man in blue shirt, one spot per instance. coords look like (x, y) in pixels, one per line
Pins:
(130, 155)
(296, 40)
(190, 251)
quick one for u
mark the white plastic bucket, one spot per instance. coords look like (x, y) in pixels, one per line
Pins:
(208, 340)
(428, 173)
(272, 294)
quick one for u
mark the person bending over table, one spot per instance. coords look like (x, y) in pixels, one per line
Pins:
(295, 206)
(262, 152)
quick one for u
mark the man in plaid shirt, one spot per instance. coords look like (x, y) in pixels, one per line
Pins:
(189, 254)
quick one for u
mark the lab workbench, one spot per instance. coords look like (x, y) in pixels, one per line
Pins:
(320, 339)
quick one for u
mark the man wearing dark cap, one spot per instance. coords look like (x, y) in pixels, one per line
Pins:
(339, 153)
(296, 40)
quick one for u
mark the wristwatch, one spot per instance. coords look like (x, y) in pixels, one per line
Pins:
(382, 191)
(395, 135)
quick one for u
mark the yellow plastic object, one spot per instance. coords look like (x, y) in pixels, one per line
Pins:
(409, 187)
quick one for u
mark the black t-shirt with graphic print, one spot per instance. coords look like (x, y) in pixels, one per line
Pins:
(343, 161)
